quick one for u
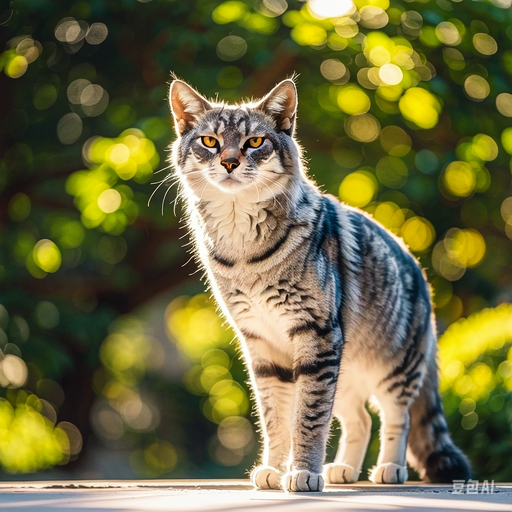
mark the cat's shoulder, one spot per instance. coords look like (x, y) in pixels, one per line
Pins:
(364, 226)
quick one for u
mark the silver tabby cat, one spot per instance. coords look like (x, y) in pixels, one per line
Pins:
(330, 308)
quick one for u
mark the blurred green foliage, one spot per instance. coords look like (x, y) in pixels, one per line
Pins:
(476, 370)
(30, 441)
(404, 111)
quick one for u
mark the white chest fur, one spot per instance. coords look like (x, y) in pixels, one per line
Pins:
(234, 217)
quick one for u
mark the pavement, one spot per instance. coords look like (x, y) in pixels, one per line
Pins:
(238, 495)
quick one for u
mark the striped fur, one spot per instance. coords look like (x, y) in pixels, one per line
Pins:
(330, 308)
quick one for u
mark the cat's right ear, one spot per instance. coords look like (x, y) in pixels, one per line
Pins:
(186, 106)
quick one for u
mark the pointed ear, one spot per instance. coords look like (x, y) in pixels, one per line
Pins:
(186, 105)
(281, 104)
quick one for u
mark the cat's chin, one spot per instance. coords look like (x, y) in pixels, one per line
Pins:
(231, 185)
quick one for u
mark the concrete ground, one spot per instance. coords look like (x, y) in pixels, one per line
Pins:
(234, 495)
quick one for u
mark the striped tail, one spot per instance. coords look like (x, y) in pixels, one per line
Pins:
(431, 451)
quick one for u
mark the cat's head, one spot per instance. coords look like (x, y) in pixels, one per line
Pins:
(235, 148)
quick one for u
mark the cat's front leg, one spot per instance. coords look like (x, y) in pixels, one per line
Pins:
(316, 371)
(274, 392)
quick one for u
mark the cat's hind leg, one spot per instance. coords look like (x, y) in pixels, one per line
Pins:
(391, 467)
(350, 409)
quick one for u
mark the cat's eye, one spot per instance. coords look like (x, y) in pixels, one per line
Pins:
(209, 142)
(255, 142)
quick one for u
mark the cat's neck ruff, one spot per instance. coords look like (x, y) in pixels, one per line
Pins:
(234, 216)
(242, 217)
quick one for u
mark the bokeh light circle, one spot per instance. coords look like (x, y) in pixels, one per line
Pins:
(504, 104)
(231, 48)
(363, 128)
(485, 44)
(477, 87)
(358, 188)
(322, 9)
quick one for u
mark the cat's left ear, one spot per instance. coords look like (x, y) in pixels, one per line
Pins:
(186, 105)
(281, 104)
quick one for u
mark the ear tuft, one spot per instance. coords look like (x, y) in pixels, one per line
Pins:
(281, 104)
(186, 105)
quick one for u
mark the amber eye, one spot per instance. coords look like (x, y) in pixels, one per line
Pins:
(209, 142)
(255, 142)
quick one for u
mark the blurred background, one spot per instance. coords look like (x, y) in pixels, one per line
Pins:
(114, 362)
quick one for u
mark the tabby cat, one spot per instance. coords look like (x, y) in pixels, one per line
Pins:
(331, 309)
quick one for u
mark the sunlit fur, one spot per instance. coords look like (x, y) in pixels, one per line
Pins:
(331, 310)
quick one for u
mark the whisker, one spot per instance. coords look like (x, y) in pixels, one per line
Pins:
(161, 170)
(274, 198)
(286, 193)
(204, 188)
(163, 200)
(255, 183)
(169, 177)
(175, 201)
(171, 180)
(271, 191)
(154, 191)
(284, 190)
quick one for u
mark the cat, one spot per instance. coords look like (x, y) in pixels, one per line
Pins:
(330, 308)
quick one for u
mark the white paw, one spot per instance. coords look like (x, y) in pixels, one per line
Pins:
(302, 480)
(389, 473)
(340, 474)
(266, 477)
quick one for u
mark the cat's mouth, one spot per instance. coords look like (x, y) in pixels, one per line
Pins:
(230, 182)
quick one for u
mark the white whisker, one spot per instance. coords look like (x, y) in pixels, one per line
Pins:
(164, 169)
(156, 189)
(163, 200)
(204, 188)
(255, 183)
(179, 192)
(274, 198)
(284, 190)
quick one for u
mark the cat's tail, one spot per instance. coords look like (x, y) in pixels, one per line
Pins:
(431, 451)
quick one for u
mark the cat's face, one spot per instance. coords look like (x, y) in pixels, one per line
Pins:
(234, 149)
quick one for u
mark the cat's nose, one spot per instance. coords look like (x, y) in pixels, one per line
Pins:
(230, 163)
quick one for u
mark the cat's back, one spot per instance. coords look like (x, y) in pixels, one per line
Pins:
(383, 283)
